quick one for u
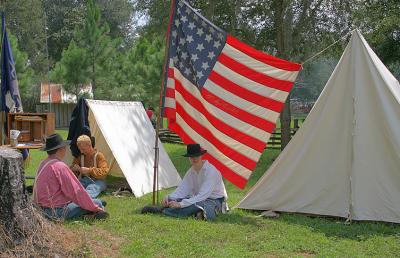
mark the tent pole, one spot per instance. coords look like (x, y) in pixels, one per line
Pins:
(156, 148)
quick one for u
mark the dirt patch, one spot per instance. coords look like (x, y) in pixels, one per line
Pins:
(102, 243)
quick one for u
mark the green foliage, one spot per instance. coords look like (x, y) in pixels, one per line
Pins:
(143, 68)
(381, 28)
(93, 37)
(72, 70)
(25, 74)
(25, 21)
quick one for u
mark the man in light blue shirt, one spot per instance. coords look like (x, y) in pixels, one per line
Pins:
(202, 191)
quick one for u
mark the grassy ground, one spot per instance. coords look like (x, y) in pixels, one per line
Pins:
(127, 233)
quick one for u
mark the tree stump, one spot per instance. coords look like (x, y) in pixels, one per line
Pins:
(18, 218)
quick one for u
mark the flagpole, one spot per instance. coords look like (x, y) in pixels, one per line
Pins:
(156, 148)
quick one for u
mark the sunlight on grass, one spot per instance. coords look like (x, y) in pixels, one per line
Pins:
(237, 234)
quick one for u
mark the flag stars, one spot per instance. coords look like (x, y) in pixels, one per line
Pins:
(199, 74)
(212, 30)
(187, 71)
(203, 24)
(187, 10)
(182, 41)
(205, 66)
(194, 57)
(174, 33)
(184, 55)
(208, 38)
(177, 22)
(191, 25)
(220, 36)
(200, 32)
(175, 58)
(217, 44)
(211, 55)
(184, 19)
(189, 39)
(200, 47)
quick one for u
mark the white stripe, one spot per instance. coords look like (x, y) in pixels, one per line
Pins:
(225, 139)
(170, 102)
(220, 114)
(250, 85)
(212, 150)
(259, 66)
(240, 103)
(171, 83)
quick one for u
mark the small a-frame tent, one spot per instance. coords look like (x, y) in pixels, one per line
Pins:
(345, 160)
(125, 135)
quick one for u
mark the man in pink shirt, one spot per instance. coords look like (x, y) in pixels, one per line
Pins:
(57, 190)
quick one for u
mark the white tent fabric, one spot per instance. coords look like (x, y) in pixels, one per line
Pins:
(126, 136)
(345, 160)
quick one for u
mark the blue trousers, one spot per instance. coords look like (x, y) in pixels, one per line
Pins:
(208, 206)
(69, 211)
(93, 186)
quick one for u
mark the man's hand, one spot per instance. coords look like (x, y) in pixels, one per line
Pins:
(165, 202)
(174, 204)
(76, 168)
(84, 171)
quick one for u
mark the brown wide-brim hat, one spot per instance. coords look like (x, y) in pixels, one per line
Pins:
(54, 141)
(194, 150)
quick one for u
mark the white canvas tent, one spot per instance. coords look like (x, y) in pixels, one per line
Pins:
(126, 136)
(345, 160)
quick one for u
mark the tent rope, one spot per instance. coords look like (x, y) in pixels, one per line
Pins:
(328, 47)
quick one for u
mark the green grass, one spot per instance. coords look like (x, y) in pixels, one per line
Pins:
(237, 234)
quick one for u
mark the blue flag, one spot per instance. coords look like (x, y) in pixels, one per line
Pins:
(10, 98)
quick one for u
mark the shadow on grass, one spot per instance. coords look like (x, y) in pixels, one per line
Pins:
(338, 228)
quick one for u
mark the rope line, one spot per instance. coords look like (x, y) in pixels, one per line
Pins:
(328, 47)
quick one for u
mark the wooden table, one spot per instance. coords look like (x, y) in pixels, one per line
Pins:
(22, 146)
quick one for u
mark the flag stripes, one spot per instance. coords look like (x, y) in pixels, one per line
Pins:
(230, 108)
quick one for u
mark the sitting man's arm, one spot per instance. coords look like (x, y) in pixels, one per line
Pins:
(206, 189)
(182, 191)
(76, 166)
(101, 171)
(73, 189)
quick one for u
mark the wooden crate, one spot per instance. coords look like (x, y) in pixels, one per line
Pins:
(34, 127)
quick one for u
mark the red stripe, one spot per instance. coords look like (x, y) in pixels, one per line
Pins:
(241, 137)
(171, 72)
(170, 93)
(169, 112)
(237, 112)
(254, 75)
(245, 93)
(261, 56)
(208, 135)
(225, 171)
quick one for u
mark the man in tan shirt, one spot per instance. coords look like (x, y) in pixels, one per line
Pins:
(90, 166)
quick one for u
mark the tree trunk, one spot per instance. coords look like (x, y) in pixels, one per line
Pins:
(18, 219)
(280, 45)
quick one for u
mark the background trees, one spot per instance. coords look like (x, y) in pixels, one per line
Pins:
(118, 45)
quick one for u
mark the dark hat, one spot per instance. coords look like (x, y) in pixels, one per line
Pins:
(194, 150)
(54, 141)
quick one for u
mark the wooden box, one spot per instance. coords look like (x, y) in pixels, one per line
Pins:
(34, 127)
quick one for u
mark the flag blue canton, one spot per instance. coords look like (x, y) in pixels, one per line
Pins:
(195, 44)
(9, 82)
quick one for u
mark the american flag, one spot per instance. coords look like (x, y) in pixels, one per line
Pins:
(222, 93)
